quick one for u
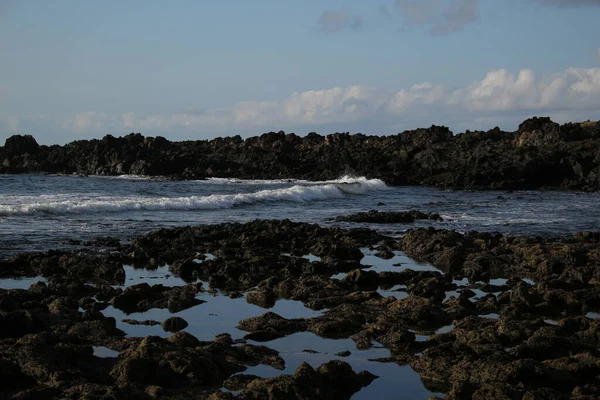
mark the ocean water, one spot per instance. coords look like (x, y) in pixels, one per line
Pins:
(39, 212)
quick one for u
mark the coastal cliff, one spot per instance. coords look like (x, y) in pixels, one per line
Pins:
(540, 154)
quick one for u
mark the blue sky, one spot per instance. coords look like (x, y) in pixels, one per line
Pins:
(199, 69)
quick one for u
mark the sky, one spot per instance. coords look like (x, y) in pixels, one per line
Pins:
(199, 69)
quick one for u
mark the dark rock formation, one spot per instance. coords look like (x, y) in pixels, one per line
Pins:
(494, 335)
(389, 217)
(540, 154)
(21, 144)
(174, 324)
(333, 380)
(143, 297)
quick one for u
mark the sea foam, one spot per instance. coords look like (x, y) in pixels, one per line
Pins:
(299, 192)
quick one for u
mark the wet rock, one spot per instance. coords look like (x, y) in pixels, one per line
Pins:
(513, 341)
(385, 254)
(97, 330)
(174, 324)
(263, 297)
(36, 393)
(434, 287)
(361, 277)
(389, 217)
(362, 340)
(185, 268)
(145, 322)
(224, 338)
(337, 251)
(397, 339)
(366, 378)
(242, 353)
(156, 361)
(272, 322)
(315, 291)
(417, 312)
(341, 321)
(142, 297)
(334, 380)
(154, 391)
(13, 378)
(103, 241)
(239, 381)
(16, 324)
(337, 300)
(89, 265)
(263, 336)
(184, 339)
(63, 306)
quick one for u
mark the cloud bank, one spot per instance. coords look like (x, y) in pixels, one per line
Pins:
(500, 98)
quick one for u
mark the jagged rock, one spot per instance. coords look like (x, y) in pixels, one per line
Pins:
(333, 380)
(21, 144)
(474, 339)
(389, 217)
(539, 154)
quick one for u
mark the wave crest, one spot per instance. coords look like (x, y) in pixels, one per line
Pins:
(299, 193)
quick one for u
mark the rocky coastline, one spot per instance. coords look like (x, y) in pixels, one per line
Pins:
(389, 217)
(499, 317)
(540, 154)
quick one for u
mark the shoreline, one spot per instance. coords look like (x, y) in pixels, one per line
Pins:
(540, 154)
(486, 313)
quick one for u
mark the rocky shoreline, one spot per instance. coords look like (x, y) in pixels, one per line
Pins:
(540, 154)
(389, 217)
(499, 317)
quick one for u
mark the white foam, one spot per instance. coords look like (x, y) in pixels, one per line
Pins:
(123, 177)
(297, 193)
(344, 179)
(130, 177)
(234, 181)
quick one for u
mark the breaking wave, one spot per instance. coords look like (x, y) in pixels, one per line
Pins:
(300, 192)
(343, 179)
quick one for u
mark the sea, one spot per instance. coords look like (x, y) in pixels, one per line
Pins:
(43, 212)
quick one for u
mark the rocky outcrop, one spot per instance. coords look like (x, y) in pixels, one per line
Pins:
(389, 217)
(523, 324)
(333, 380)
(540, 154)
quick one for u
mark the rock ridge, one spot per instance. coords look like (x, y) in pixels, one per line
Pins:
(540, 154)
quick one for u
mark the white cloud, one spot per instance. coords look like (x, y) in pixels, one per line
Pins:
(574, 91)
